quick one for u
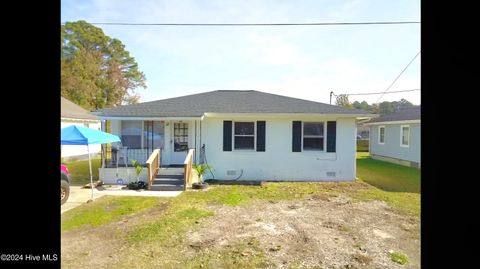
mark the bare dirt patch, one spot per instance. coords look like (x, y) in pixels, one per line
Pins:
(322, 231)
(100, 247)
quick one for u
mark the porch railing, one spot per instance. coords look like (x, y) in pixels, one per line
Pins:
(187, 169)
(126, 155)
(153, 164)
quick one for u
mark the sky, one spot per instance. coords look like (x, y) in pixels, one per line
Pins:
(306, 62)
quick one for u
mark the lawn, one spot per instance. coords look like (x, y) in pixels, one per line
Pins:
(395, 184)
(80, 172)
(187, 231)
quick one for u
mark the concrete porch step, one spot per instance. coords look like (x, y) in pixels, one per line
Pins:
(166, 187)
(170, 171)
(169, 176)
(168, 179)
(173, 181)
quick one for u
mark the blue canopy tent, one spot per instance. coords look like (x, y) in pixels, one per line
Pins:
(76, 135)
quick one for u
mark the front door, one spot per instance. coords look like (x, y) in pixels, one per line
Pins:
(180, 142)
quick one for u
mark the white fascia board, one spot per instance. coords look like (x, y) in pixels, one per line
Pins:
(393, 122)
(287, 115)
(82, 120)
(148, 118)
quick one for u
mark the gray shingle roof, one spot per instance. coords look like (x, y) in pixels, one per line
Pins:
(223, 101)
(406, 114)
(74, 111)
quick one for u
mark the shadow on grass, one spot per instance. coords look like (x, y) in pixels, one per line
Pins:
(233, 182)
(388, 176)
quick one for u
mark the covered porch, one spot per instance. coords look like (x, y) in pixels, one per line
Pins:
(167, 149)
(140, 137)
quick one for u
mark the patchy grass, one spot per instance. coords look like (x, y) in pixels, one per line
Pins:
(398, 257)
(80, 171)
(161, 242)
(187, 209)
(105, 210)
(404, 201)
(242, 254)
(395, 184)
(362, 259)
(171, 228)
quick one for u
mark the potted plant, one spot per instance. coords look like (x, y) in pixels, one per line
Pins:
(137, 184)
(201, 169)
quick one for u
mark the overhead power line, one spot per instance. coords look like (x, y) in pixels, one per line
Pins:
(395, 80)
(372, 93)
(257, 24)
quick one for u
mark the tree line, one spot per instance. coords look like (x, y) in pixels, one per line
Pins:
(383, 108)
(96, 70)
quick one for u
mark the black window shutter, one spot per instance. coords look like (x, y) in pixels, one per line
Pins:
(260, 135)
(227, 135)
(331, 136)
(297, 136)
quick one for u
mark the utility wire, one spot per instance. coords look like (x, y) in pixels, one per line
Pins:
(372, 93)
(256, 24)
(388, 88)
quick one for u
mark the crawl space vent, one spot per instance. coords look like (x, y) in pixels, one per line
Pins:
(331, 174)
(231, 172)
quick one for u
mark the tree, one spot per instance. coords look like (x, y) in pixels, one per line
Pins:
(342, 100)
(383, 108)
(96, 70)
(363, 105)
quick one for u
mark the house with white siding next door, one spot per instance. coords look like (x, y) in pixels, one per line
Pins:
(242, 135)
(73, 114)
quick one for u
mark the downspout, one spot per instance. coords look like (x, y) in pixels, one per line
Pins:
(195, 155)
(201, 131)
(370, 140)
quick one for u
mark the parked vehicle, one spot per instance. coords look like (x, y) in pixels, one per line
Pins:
(64, 183)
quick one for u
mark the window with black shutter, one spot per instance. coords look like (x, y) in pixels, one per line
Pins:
(244, 135)
(313, 136)
(260, 135)
(227, 135)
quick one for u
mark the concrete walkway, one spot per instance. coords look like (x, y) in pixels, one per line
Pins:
(123, 191)
(79, 196)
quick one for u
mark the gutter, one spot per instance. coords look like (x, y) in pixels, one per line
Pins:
(393, 122)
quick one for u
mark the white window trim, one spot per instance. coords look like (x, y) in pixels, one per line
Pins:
(188, 134)
(316, 136)
(254, 136)
(401, 136)
(384, 132)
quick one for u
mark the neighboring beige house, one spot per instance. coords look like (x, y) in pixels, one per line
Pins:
(73, 114)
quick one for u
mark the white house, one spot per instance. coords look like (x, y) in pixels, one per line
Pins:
(243, 135)
(396, 137)
(72, 114)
